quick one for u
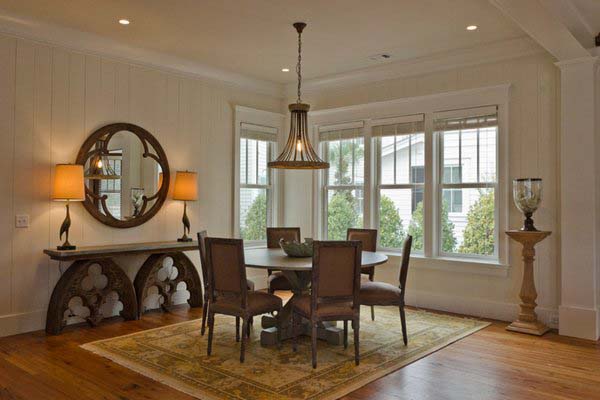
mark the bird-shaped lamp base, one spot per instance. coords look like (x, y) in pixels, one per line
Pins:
(64, 228)
(186, 225)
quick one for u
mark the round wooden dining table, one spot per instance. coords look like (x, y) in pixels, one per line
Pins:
(298, 273)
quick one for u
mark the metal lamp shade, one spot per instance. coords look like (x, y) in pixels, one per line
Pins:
(298, 152)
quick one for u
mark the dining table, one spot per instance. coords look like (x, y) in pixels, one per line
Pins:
(297, 270)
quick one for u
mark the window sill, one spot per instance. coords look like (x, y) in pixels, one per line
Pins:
(457, 265)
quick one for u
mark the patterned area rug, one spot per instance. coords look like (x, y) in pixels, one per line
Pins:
(176, 356)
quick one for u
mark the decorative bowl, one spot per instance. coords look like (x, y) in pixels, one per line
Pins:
(296, 249)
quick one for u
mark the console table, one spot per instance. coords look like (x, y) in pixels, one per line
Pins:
(76, 282)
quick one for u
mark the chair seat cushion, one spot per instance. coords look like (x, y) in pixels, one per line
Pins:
(250, 285)
(302, 306)
(379, 293)
(258, 303)
(278, 281)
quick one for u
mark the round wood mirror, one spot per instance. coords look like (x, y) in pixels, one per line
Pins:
(126, 175)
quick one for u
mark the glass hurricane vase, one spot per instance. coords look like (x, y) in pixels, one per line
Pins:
(527, 194)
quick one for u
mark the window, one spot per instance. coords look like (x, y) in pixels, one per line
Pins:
(467, 217)
(440, 176)
(344, 149)
(257, 146)
(400, 181)
(452, 197)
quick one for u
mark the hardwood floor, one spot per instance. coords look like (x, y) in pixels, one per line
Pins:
(490, 364)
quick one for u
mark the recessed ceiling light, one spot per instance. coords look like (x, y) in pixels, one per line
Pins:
(471, 27)
(124, 21)
(285, 70)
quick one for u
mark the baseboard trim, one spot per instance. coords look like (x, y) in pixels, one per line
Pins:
(14, 324)
(476, 307)
(579, 322)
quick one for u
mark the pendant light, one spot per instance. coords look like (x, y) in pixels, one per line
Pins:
(298, 152)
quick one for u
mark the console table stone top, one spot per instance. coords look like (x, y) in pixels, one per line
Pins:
(87, 252)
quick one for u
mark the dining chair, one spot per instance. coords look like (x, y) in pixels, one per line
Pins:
(385, 294)
(368, 237)
(276, 280)
(335, 285)
(202, 247)
(228, 292)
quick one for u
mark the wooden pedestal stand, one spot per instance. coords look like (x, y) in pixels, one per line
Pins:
(527, 321)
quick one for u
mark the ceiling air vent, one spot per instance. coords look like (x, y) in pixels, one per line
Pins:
(380, 57)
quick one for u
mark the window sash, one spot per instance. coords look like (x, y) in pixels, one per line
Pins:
(477, 122)
(328, 137)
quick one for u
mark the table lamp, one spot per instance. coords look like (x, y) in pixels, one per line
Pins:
(186, 189)
(68, 186)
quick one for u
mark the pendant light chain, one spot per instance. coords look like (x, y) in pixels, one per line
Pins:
(299, 65)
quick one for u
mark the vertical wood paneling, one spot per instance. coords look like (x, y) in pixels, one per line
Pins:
(37, 291)
(23, 257)
(8, 48)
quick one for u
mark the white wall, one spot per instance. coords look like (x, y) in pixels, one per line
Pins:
(533, 152)
(51, 99)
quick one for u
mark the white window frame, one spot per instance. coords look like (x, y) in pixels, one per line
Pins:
(427, 105)
(324, 147)
(378, 185)
(440, 185)
(268, 122)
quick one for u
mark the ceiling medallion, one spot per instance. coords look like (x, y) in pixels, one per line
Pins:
(298, 152)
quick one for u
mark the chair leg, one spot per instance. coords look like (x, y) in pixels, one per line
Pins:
(371, 278)
(294, 332)
(237, 329)
(403, 320)
(211, 325)
(278, 322)
(204, 315)
(249, 328)
(356, 328)
(244, 339)
(345, 335)
(313, 346)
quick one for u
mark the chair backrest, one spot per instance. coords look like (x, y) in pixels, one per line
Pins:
(202, 246)
(287, 234)
(405, 260)
(226, 268)
(336, 272)
(368, 237)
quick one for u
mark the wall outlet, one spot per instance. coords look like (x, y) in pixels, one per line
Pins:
(22, 221)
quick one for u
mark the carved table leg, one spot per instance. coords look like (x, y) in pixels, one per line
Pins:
(77, 282)
(183, 271)
(527, 321)
(299, 280)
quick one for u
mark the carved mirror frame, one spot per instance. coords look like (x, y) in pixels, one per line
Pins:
(103, 136)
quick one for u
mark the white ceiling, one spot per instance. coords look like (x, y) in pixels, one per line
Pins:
(255, 37)
(589, 11)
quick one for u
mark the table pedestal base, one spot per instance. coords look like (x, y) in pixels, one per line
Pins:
(327, 331)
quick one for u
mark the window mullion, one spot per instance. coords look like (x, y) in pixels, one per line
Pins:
(430, 190)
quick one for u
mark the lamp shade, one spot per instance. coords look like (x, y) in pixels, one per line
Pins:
(68, 182)
(186, 186)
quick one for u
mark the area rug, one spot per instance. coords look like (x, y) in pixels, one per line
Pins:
(176, 356)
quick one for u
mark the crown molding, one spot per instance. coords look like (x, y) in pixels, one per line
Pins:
(482, 54)
(92, 44)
